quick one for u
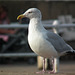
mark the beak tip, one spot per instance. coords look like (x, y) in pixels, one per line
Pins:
(20, 17)
(17, 18)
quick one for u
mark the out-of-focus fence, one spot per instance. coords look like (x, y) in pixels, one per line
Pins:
(47, 26)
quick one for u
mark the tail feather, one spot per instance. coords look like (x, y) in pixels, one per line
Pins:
(71, 51)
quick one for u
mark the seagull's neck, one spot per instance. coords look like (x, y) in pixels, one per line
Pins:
(35, 19)
(36, 25)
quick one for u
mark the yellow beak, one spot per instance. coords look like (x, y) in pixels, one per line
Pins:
(20, 17)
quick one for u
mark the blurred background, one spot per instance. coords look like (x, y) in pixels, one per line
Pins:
(50, 9)
(14, 40)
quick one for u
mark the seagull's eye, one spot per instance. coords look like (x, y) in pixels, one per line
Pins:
(29, 12)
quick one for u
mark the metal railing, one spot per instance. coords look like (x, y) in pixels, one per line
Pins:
(47, 26)
(18, 55)
(4, 26)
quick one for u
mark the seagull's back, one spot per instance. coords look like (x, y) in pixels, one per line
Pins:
(59, 44)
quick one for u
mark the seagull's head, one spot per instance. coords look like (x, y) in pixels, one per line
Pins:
(31, 13)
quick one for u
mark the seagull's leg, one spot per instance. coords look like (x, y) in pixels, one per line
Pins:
(43, 64)
(55, 63)
(43, 71)
(53, 71)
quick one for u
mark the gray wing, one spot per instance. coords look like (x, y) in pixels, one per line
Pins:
(58, 43)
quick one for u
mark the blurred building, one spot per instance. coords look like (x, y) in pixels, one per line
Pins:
(50, 9)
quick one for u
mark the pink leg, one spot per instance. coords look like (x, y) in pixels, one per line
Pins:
(53, 71)
(43, 71)
(44, 65)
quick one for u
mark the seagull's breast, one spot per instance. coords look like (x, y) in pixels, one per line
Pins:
(40, 45)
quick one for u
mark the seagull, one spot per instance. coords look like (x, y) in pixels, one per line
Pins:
(44, 43)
